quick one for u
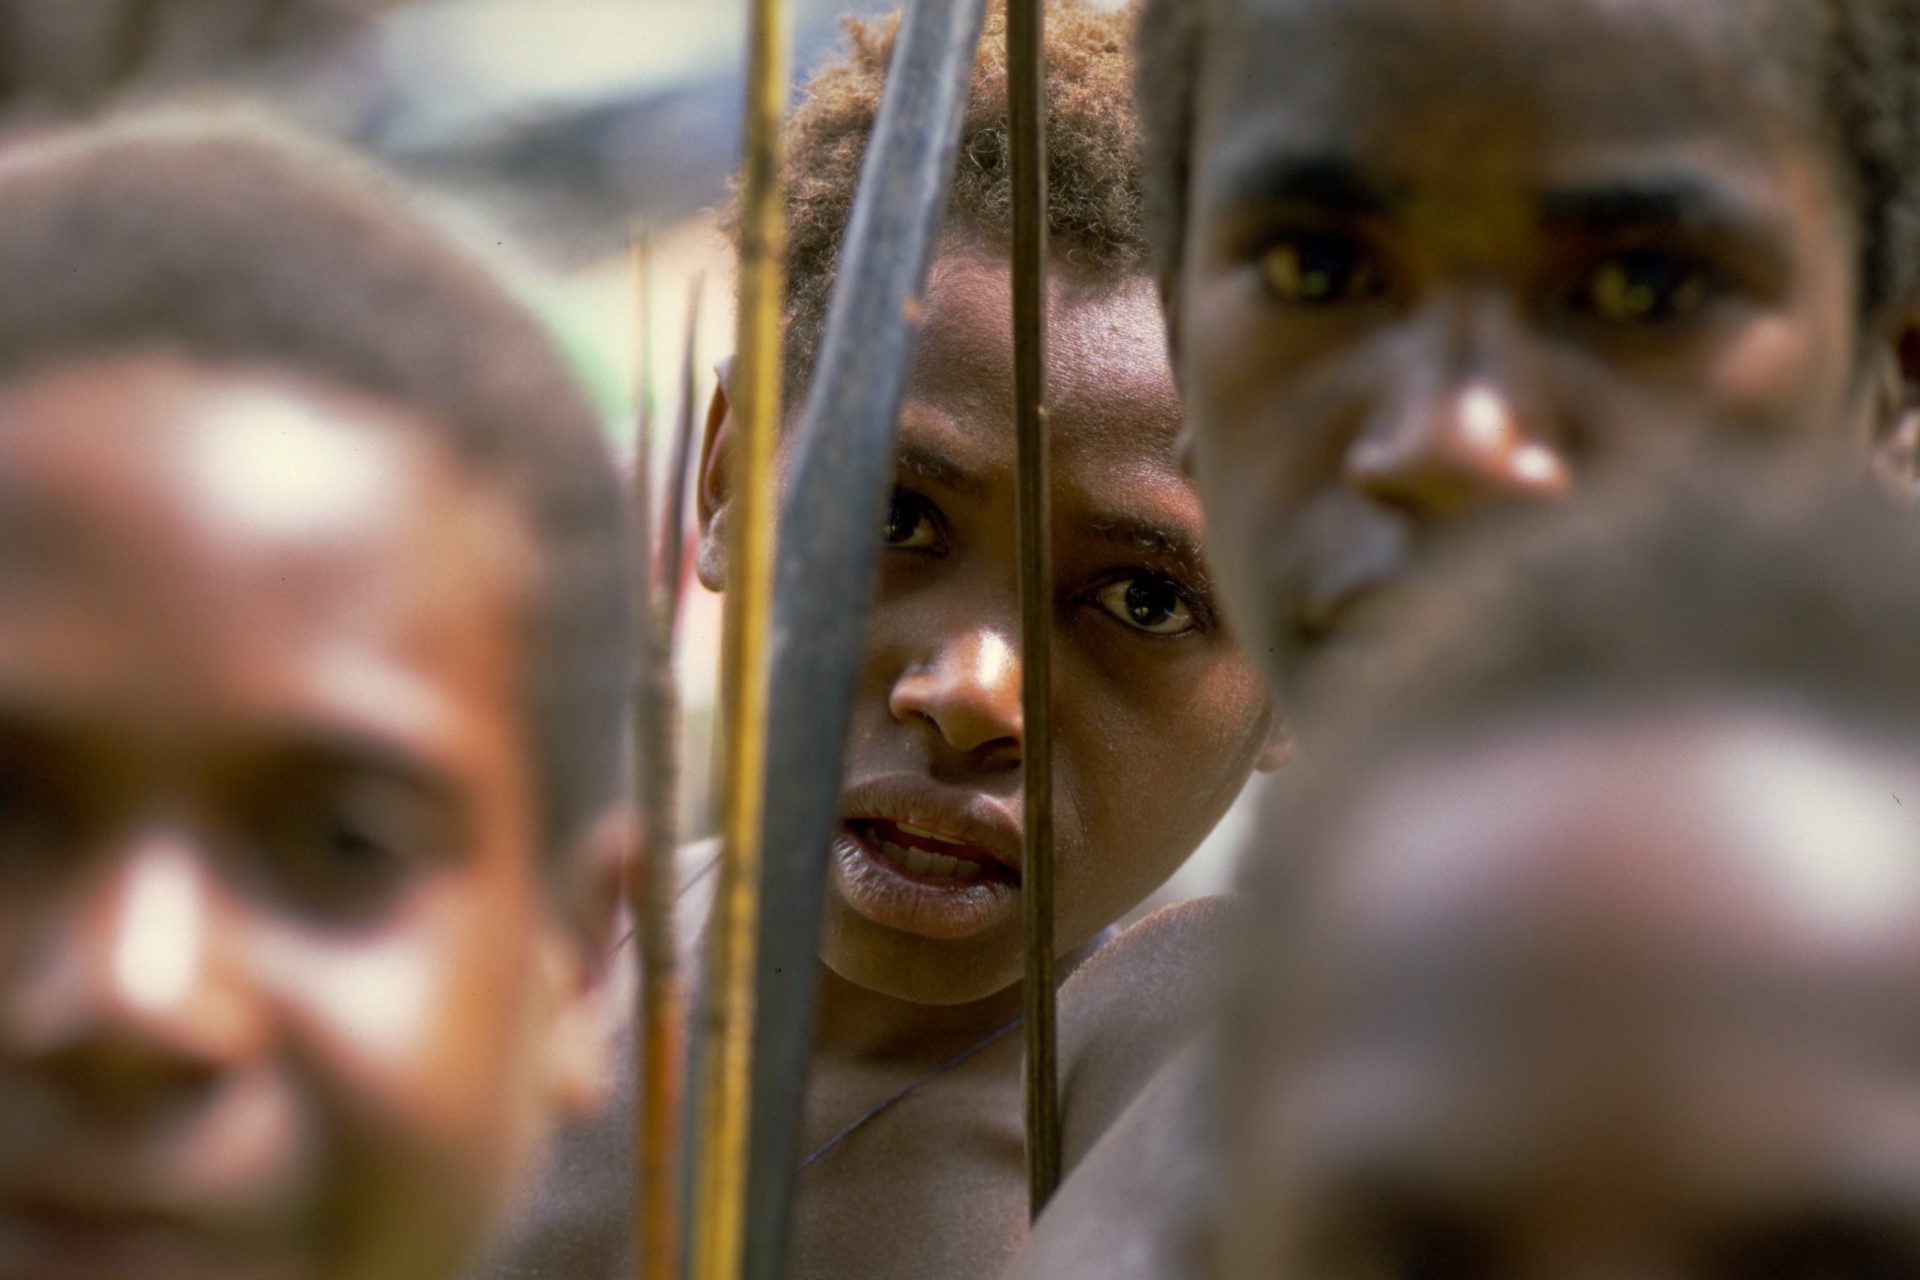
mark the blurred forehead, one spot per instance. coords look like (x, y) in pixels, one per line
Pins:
(1695, 942)
(259, 524)
(1733, 834)
(1486, 83)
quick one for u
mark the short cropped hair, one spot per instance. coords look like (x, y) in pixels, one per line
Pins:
(239, 243)
(1095, 211)
(1868, 73)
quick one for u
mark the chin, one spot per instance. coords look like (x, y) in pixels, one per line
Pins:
(915, 969)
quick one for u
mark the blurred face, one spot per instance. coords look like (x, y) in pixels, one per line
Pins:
(276, 959)
(1444, 257)
(1158, 719)
(1600, 1000)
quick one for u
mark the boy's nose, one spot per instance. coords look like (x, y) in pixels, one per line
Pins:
(133, 994)
(1464, 416)
(1443, 454)
(967, 692)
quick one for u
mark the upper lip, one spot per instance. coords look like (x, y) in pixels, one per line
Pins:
(968, 817)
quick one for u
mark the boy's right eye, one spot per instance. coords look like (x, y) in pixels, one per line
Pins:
(909, 524)
(1319, 270)
(39, 830)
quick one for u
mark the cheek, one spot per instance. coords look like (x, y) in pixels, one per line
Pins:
(1155, 758)
(418, 1045)
(1781, 368)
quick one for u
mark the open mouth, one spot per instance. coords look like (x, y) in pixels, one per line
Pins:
(913, 879)
(928, 855)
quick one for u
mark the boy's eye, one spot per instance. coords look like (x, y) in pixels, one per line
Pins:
(39, 831)
(345, 852)
(1318, 270)
(909, 525)
(1644, 288)
(1149, 604)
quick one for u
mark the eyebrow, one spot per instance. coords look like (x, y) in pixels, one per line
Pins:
(1680, 203)
(321, 748)
(937, 467)
(1169, 543)
(1327, 182)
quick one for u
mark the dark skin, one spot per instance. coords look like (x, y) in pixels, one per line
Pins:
(288, 987)
(1442, 260)
(1159, 720)
(1625, 999)
(1629, 998)
(1445, 258)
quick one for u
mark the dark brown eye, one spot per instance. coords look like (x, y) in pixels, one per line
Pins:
(1318, 271)
(908, 525)
(41, 829)
(1645, 288)
(1150, 604)
(346, 848)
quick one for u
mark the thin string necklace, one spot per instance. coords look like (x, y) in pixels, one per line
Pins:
(901, 1094)
(897, 1096)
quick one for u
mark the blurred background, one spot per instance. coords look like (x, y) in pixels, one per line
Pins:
(543, 132)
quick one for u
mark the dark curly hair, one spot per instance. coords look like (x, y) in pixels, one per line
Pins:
(1095, 216)
(238, 242)
(1867, 65)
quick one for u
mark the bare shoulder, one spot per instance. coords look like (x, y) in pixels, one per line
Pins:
(1130, 1009)
(1133, 1208)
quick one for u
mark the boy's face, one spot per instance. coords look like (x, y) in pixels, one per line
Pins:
(1442, 257)
(1158, 719)
(1599, 1000)
(277, 962)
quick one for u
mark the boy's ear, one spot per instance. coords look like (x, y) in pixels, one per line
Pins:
(1278, 747)
(583, 967)
(1896, 442)
(714, 487)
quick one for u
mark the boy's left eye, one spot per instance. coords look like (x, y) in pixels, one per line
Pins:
(1150, 604)
(1645, 288)
(343, 849)
(908, 525)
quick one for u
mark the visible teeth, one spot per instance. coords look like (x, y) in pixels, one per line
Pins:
(925, 834)
(922, 863)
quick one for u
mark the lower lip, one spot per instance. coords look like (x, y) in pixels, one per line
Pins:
(895, 898)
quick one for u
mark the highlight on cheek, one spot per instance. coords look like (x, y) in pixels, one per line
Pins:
(381, 999)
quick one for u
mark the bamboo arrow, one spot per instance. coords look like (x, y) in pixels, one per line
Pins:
(1026, 122)
(724, 1092)
(829, 546)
